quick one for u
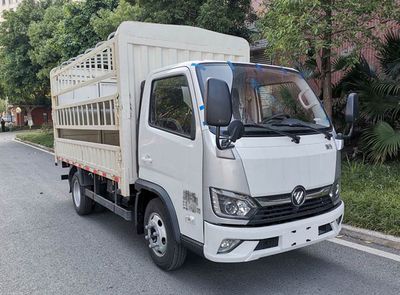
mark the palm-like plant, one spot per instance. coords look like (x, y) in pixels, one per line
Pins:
(382, 142)
(380, 100)
(389, 56)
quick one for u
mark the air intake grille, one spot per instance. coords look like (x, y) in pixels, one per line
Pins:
(281, 213)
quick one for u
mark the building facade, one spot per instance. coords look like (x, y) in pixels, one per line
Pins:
(25, 115)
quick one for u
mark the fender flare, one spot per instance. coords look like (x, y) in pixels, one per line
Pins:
(166, 200)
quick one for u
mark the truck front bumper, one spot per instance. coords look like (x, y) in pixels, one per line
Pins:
(259, 242)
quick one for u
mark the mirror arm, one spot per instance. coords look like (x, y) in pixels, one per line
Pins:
(217, 137)
(218, 140)
(348, 135)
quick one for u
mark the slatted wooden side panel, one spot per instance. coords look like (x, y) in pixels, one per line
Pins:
(97, 114)
(101, 158)
(94, 66)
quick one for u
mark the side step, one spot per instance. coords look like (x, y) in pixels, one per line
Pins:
(126, 214)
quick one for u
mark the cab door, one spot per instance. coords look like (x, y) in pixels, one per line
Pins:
(170, 145)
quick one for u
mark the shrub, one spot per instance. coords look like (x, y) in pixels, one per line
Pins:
(379, 94)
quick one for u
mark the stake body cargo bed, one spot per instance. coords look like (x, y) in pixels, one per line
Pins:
(96, 95)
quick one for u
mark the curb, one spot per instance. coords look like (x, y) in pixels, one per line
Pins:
(39, 146)
(371, 236)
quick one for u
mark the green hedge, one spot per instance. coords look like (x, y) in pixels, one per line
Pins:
(42, 137)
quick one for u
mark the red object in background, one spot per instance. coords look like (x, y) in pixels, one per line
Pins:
(40, 116)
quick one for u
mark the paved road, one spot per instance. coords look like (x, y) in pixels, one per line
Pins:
(45, 248)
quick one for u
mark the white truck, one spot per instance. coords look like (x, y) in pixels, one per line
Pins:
(173, 128)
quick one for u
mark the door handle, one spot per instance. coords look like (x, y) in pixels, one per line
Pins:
(147, 159)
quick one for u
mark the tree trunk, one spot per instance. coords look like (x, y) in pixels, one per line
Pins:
(326, 59)
(327, 81)
(29, 116)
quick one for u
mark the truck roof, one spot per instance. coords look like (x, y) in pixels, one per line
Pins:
(198, 38)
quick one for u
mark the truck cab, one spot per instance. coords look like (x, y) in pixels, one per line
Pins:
(273, 188)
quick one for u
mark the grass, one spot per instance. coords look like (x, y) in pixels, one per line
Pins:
(42, 137)
(372, 196)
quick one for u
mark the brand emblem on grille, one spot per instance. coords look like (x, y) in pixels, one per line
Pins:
(298, 196)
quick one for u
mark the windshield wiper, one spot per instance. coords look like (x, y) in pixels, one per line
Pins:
(276, 117)
(298, 123)
(295, 138)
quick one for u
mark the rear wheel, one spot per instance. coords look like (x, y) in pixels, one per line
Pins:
(83, 205)
(164, 250)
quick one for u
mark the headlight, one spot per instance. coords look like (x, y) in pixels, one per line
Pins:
(232, 205)
(335, 190)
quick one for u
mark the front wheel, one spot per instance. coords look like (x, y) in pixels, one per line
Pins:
(83, 205)
(164, 250)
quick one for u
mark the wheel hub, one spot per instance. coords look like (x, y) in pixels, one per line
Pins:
(156, 234)
(76, 190)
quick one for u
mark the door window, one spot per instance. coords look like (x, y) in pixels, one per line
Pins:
(171, 106)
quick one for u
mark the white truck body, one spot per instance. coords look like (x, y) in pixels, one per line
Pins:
(104, 129)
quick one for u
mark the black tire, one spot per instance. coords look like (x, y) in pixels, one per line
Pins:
(85, 205)
(175, 254)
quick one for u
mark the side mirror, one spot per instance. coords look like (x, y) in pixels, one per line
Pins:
(218, 103)
(352, 108)
(351, 114)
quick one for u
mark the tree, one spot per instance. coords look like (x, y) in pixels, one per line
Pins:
(63, 32)
(45, 51)
(177, 12)
(41, 34)
(75, 33)
(228, 16)
(3, 106)
(295, 29)
(107, 21)
(37, 37)
(17, 72)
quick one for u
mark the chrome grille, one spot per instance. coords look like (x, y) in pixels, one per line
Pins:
(286, 211)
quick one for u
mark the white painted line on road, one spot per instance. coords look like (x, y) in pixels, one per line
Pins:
(32, 146)
(366, 249)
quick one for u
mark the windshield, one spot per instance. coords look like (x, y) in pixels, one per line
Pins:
(268, 96)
